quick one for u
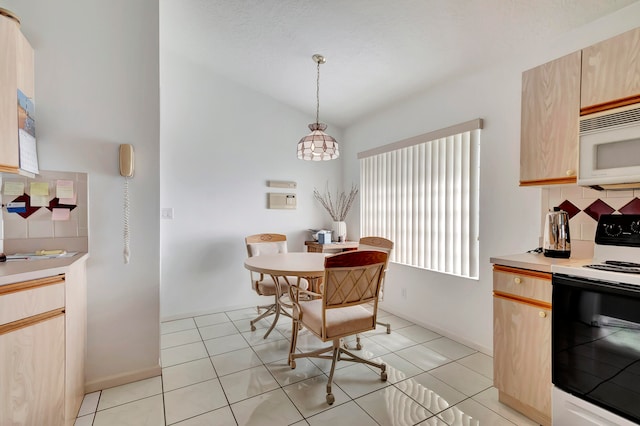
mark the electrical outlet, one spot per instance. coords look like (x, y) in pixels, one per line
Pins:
(166, 213)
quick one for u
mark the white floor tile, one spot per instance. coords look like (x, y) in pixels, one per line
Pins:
(310, 396)
(246, 313)
(218, 330)
(245, 325)
(188, 373)
(184, 353)
(343, 415)
(433, 421)
(248, 383)
(220, 345)
(86, 420)
(268, 409)
(358, 379)
(489, 398)
(179, 338)
(390, 406)
(470, 412)
(89, 403)
(231, 362)
(205, 320)
(190, 401)
(273, 351)
(257, 337)
(130, 392)
(398, 368)
(417, 334)
(220, 417)
(285, 375)
(480, 363)
(177, 325)
(433, 394)
(143, 412)
(396, 322)
(423, 357)
(449, 348)
(462, 378)
(393, 342)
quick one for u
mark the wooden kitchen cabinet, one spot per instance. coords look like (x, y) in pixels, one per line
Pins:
(16, 72)
(43, 349)
(611, 73)
(549, 122)
(522, 341)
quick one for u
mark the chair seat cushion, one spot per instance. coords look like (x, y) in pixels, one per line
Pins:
(267, 287)
(340, 321)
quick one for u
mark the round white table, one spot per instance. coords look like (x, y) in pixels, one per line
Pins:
(303, 265)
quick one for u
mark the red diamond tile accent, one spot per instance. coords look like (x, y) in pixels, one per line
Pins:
(632, 207)
(570, 208)
(27, 200)
(598, 208)
(55, 203)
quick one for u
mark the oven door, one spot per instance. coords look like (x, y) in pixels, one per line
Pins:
(596, 342)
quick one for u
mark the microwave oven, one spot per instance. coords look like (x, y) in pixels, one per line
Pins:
(609, 149)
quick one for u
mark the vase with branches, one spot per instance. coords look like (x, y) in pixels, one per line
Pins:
(338, 206)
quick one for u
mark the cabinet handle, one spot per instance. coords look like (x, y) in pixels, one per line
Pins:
(517, 280)
(571, 172)
(542, 314)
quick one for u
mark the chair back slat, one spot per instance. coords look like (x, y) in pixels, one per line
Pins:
(353, 278)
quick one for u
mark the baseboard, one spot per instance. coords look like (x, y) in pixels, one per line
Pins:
(121, 379)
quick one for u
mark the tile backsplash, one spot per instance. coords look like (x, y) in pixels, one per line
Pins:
(585, 205)
(40, 224)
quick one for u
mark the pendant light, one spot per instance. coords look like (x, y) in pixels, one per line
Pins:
(317, 145)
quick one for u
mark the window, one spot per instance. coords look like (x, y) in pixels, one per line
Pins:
(422, 193)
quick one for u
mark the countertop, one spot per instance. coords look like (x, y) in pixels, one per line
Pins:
(537, 261)
(24, 270)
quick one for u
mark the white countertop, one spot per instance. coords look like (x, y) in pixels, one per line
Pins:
(24, 270)
(536, 261)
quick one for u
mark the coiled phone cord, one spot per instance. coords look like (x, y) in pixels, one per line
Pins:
(126, 221)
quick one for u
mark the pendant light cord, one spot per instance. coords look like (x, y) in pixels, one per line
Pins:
(318, 95)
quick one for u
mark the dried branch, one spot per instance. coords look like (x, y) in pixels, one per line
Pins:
(337, 207)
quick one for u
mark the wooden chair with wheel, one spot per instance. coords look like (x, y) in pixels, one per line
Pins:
(264, 285)
(352, 281)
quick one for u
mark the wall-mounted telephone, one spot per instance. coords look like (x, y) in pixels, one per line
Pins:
(126, 170)
(126, 160)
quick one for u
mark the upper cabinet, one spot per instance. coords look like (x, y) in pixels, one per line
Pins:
(16, 73)
(549, 122)
(611, 73)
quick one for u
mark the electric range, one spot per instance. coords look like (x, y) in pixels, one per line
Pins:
(595, 352)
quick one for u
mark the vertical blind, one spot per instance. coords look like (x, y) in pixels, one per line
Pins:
(422, 193)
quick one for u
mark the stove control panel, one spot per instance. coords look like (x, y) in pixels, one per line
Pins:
(619, 230)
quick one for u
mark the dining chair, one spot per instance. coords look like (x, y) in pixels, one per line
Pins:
(385, 245)
(264, 285)
(351, 281)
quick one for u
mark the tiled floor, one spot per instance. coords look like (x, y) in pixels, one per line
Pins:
(218, 372)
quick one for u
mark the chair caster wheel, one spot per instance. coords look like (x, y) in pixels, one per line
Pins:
(383, 376)
(358, 346)
(253, 327)
(388, 330)
(293, 364)
(330, 399)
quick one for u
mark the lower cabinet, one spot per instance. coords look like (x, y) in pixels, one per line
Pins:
(43, 349)
(32, 371)
(522, 341)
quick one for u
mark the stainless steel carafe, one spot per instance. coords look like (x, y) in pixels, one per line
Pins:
(557, 239)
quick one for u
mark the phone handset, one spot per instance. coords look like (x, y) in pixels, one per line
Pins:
(126, 170)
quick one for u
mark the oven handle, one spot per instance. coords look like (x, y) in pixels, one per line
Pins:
(598, 286)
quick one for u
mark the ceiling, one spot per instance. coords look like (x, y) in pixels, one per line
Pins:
(378, 51)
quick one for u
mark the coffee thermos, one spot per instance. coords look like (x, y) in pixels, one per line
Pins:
(557, 240)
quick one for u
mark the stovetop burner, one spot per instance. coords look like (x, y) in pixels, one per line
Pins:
(614, 266)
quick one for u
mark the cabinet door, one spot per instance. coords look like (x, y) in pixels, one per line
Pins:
(549, 125)
(9, 160)
(32, 371)
(522, 354)
(611, 73)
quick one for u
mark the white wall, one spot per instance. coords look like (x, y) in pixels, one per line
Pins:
(221, 143)
(509, 215)
(97, 86)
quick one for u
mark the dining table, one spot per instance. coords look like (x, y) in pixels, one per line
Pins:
(309, 266)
